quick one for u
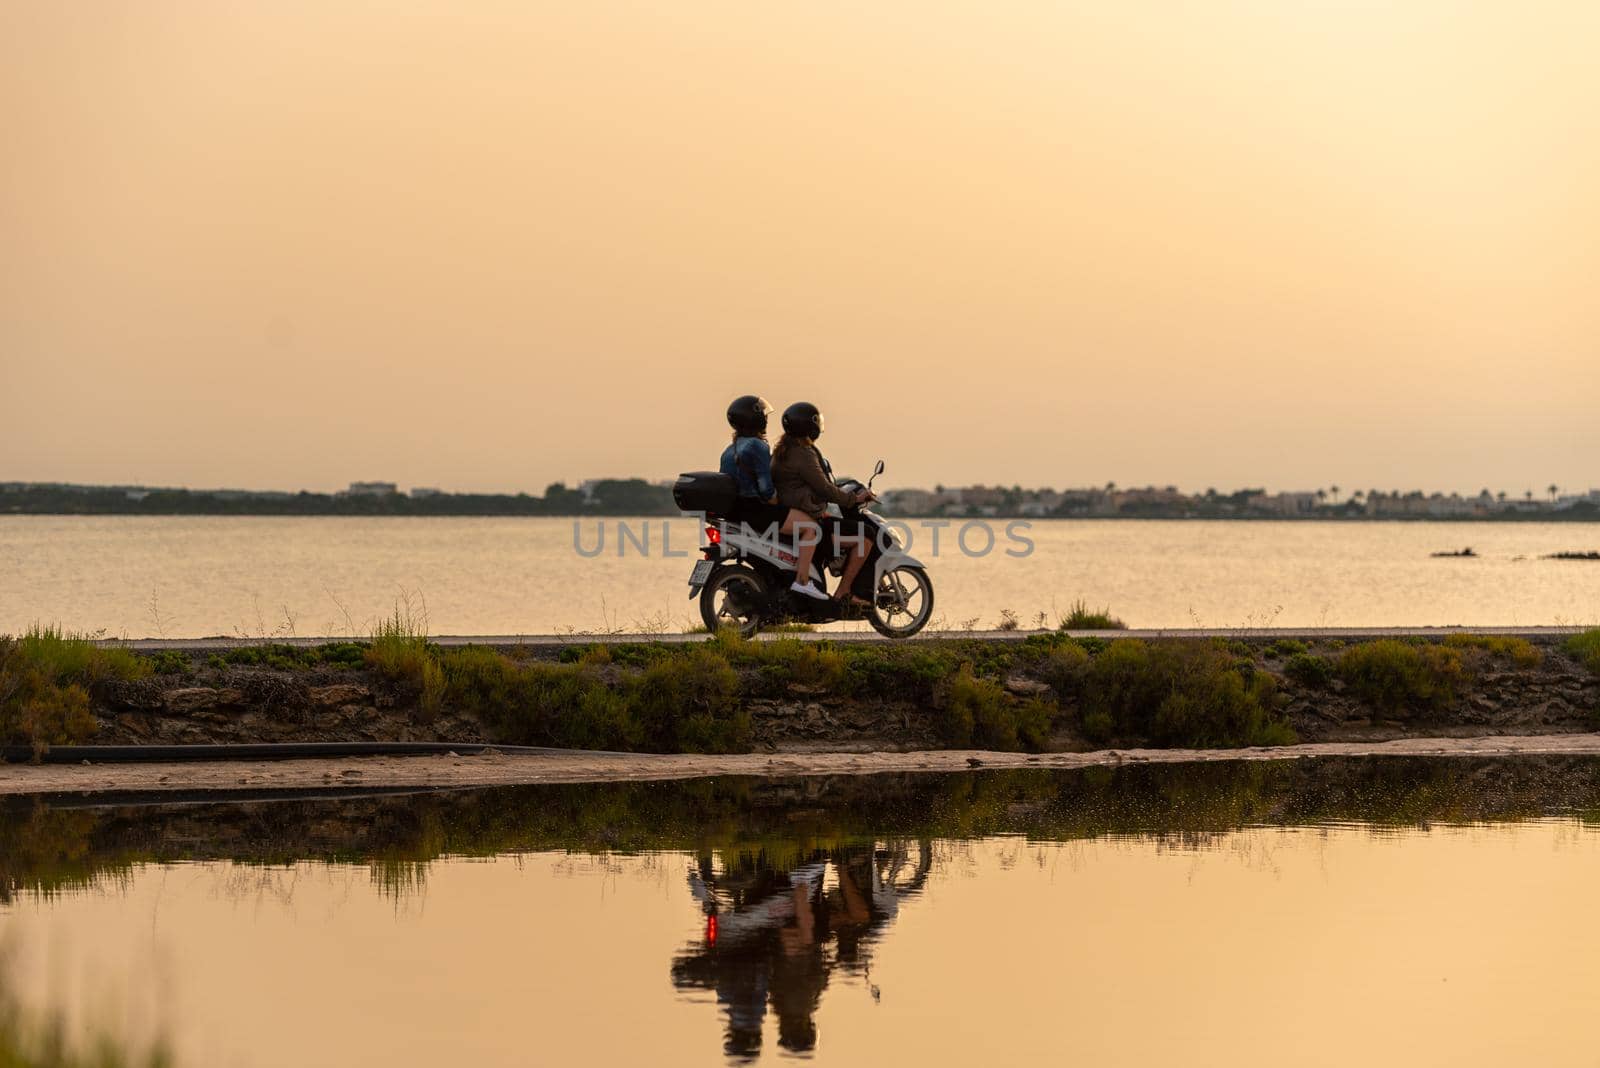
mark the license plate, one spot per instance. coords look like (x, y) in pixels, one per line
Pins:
(698, 576)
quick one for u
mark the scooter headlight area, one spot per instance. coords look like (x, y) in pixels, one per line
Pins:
(744, 577)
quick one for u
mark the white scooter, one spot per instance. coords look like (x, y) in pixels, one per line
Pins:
(744, 579)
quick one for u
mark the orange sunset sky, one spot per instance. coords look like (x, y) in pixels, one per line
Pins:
(489, 245)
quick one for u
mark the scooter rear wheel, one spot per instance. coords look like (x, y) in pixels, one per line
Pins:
(733, 598)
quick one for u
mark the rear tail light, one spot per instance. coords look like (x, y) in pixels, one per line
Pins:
(714, 535)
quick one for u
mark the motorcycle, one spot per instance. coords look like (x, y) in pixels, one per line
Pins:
(744, 577)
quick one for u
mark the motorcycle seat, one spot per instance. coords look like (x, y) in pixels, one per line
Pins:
(780, 541)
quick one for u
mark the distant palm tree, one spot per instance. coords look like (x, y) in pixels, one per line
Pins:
(1528, 494)
(1501, 496)
(1335, 491)
(1111, 487)
(1554, 489)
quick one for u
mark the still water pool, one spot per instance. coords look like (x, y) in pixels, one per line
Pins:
(1327, 911)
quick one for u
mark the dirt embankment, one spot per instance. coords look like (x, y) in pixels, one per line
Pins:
(496, 769)
(1547, 691)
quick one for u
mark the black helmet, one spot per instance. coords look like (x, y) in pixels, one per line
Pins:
(748, 414)
(803, 418)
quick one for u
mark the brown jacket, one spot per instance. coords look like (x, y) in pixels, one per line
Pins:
(803, 484)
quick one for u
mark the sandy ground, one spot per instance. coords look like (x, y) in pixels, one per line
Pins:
(497, 769)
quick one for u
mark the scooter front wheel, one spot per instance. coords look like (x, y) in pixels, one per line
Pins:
(733, 597)
(902, 603)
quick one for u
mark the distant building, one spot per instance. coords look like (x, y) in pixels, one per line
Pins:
(371, 489)
(425, 491)
(1574, 499)
(1453, 505)
(909, 501)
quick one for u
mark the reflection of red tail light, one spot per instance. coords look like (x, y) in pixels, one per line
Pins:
(713, 535)
(711, 930)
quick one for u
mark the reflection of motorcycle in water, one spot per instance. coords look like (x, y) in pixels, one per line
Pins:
(776, 935)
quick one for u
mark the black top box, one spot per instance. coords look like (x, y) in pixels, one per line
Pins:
(705, 491)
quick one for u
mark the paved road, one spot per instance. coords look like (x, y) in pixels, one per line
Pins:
(197, 645)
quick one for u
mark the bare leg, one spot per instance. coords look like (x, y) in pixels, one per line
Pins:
(852, 568)
(807, 536)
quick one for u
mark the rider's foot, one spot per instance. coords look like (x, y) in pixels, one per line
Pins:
(807, 590)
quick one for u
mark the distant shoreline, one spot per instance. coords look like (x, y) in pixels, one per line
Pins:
(635, 497)
(1511, 518)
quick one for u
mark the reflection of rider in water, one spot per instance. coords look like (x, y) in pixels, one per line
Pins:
(799, 972)
(768, 931)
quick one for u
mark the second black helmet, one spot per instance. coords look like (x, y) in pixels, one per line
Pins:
(748, 414)
(803, 419)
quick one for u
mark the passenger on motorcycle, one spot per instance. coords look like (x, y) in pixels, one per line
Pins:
(805, 485)
(749, 461)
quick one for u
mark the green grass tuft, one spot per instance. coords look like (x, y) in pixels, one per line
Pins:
(46, 677)
(1518, 651)
(1585, 648)
(400, 651)
(1082, 617)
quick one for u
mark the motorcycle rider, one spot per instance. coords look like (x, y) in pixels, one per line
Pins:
(749, 461)
(805, 485)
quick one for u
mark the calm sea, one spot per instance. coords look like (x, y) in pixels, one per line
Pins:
(141, 576)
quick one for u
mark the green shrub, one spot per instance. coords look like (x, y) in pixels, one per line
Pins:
(1309, 670)
(1518, 651)
(342, 654)
(564, 705)
(958, 709)
(1097, 725)
(480, 681)
(600, 720)
(1082, 617)
(805, 663)
(1221, 707)
(1397, 677)
(897, 672)
(977, 712)
(1284, 648)
(1189, 693)
(1064, 668)
(46, 677)
(1585, 648)
(171, 662)
(689, 705)
(1035, 723)
(282, 656)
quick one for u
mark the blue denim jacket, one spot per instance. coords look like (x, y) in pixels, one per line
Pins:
(753, 475)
